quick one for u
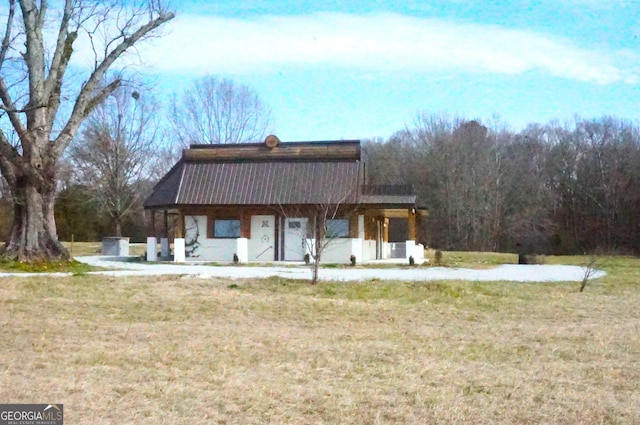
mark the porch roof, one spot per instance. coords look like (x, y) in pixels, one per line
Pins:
(388, 200)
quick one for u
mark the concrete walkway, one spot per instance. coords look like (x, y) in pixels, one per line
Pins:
(506, 272)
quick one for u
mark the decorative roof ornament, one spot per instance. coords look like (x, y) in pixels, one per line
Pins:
(271, 141)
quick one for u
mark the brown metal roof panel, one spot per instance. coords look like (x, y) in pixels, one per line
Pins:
(265, 183)
(190, 187)
(165, 192)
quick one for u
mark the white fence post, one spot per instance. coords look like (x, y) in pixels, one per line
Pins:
(356, 249)
(165, 252)
(242, 250)
(152, 254)
(179, 255)
(411, 246)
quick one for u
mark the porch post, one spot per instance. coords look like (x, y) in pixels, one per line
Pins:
(385, 249)
(361, 228)
(245, 224)
(151, 230)
(385, 226)
(411, 217)
(179, 253)
(411, 236)
(166, 224)
(353, 226)
(180, 225)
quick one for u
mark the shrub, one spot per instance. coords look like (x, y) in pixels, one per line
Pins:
(438, 257)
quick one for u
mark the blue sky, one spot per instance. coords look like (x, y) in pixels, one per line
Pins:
(362, 69)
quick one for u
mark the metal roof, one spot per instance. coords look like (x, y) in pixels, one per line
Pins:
(165, 193)
(268, 183)
(251, 180)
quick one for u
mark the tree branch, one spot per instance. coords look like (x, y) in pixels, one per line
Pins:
(6, 41)
(58, 67)
(85, 101)
(10, 109)
(34, 56)
(8, 105)
(9, 158)
(43, 13)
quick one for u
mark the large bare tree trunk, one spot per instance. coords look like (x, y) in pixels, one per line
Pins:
(33, 235)
(30, 239)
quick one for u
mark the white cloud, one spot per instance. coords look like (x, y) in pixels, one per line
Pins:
(373, 43)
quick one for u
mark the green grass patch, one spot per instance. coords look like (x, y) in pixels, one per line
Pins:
(472, 260)
(71, 266)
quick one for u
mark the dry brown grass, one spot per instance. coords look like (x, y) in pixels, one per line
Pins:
(181, 351)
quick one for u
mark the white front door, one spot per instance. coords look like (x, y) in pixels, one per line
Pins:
(262, 242)
(295, 233)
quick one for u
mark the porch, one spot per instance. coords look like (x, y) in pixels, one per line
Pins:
(243, 235)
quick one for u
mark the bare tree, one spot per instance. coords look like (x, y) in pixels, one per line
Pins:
(590, 269)
(219, 111)
(35, 97)
(113, 154)
(326, 223)
(325, 232)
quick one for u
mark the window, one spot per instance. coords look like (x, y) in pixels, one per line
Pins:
(338, 228)
(226, 228)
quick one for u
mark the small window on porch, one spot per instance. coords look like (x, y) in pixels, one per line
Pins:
(225, 228)
(338, 228)
(296, 225)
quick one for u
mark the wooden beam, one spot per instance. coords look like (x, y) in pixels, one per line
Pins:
(370, 228)
(152, 223)
(353, 226)
(180, 225)
(348, 150)
(385, 226)
(412, 225)
(245, 224)
(166, 224)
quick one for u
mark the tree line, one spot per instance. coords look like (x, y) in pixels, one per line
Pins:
(555, 188)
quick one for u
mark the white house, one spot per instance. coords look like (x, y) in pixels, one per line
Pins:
(270, 201)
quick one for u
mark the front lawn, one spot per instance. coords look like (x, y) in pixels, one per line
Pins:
(171, 350)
